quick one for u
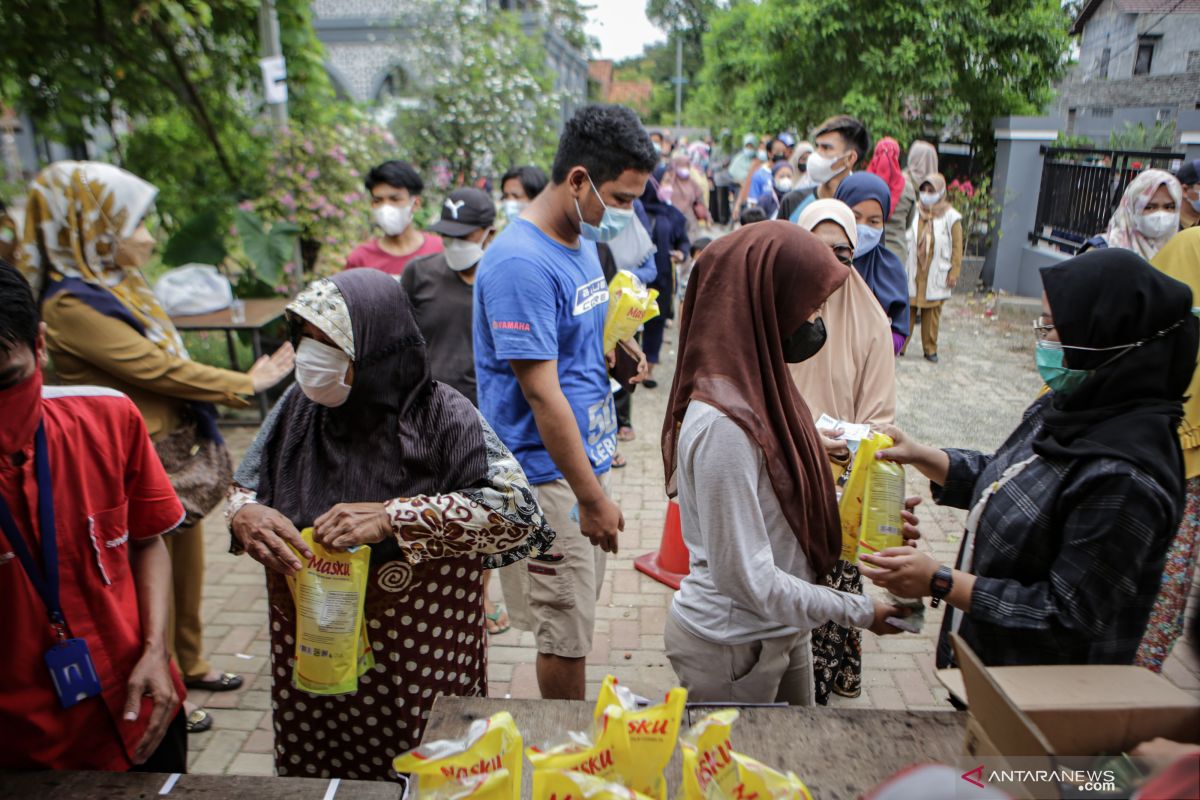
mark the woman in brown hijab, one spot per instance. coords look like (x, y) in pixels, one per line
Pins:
(755, 491)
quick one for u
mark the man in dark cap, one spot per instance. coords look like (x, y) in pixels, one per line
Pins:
(441, 286)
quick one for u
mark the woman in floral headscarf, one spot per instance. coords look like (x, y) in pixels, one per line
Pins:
(1147, 217)
(84, 243)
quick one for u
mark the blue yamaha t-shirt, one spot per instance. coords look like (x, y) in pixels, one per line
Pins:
(540, 300)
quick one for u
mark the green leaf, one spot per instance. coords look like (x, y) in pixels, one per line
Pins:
(268, 249)
(198, 241)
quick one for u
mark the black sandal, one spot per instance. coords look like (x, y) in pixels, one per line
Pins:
(225, 682)
(199, 721)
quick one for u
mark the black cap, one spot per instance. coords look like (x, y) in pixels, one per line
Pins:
(1189, 173)
(464, 211)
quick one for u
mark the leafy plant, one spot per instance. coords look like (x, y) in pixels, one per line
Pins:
(315, 184)
(1074, 142)
(980, 213)
(1139, 137)
(270, 249)
(198, 241)
(486, 100)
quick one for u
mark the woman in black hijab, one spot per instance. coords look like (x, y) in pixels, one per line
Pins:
(368, 449)
(1071, 518)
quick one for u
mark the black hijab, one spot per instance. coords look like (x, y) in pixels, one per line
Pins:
(1130, 407)
(400, 434)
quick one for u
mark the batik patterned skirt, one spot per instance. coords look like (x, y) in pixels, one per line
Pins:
(1166, 618)
(837, 651)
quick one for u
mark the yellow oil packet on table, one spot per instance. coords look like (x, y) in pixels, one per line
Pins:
(707, 751)
(487, 786)
(551, 784)
(490, 745)
(653, 732)
(713, 770)
(605, 755)
(329, 593)
(630, 305)
(871, 501)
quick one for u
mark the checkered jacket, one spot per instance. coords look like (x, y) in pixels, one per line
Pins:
(1068, 556)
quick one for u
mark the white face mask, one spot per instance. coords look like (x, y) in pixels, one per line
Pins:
(321, 372)
(393, 220)
(930, 199)
(513, 208)
(821, 168)
(1158, 224)
(783, 185)
(461, 254)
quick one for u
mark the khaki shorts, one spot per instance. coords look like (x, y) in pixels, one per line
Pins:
(557, 599)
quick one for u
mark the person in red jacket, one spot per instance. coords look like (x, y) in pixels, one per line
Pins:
(86, 681)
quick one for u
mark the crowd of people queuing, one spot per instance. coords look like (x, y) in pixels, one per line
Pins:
(453, 406)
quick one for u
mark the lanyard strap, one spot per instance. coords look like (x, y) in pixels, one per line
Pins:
(46, 583)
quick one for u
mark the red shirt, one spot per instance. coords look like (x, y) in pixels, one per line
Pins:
(109, 486)
(370, 254)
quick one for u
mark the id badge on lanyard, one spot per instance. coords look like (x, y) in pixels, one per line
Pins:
(72, 672)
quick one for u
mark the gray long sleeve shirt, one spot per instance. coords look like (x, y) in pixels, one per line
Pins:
(749, 578)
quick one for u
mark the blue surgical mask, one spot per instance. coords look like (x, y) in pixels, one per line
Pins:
(1057, 375)
(868, 239)
(611, 224)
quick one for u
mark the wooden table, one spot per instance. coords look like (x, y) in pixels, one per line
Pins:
(259, 314)
(839, 753)
(142, 786)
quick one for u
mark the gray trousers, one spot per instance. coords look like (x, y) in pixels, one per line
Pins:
(776, 670)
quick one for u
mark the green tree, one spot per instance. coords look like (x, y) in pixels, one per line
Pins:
(904, 68)
(689, 21)
(485, 100)
(182, 73)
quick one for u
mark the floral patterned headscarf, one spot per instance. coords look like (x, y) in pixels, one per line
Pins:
(76, 215)
(1122, 228)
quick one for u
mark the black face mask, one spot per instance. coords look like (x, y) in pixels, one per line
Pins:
(777, 157)
(805, 343)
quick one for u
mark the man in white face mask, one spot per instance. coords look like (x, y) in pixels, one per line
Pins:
(395, 189)
(441, 286)
(838, 145)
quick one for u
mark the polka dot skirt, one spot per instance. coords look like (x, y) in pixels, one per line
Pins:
(426, 626)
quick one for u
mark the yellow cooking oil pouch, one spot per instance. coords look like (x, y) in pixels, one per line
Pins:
(560, 784)
(653, 732)
(490, 745)
(707, 751)
(604, 755)
(755, 779)
(630, 304)
(488, 786)
(883, 500)
(871, 501)
(329, 593)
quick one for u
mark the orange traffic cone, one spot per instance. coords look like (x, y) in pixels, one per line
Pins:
(670, 564)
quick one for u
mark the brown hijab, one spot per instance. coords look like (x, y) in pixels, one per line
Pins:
(754, 288)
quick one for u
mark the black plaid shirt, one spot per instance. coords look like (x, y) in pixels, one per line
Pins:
(1068, 556)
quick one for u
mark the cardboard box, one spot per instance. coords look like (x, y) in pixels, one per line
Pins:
(1064, 716)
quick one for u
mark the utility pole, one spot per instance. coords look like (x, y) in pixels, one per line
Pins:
(268, 33)
(678, 80)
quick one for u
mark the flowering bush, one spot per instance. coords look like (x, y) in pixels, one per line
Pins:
(980, 212)
(315, 181)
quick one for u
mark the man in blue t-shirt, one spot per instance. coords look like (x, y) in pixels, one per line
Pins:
(540, 305)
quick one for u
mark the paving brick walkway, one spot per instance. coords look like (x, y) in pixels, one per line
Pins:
(973, 398)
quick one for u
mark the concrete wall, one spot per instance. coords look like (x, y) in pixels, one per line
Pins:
(1012, 263)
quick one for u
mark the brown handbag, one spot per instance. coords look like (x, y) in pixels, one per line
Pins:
(200, 469)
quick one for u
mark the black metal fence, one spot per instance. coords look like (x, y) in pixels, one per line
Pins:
(1082, 187)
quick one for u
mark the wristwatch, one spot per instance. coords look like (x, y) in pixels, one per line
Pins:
(940, 585)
